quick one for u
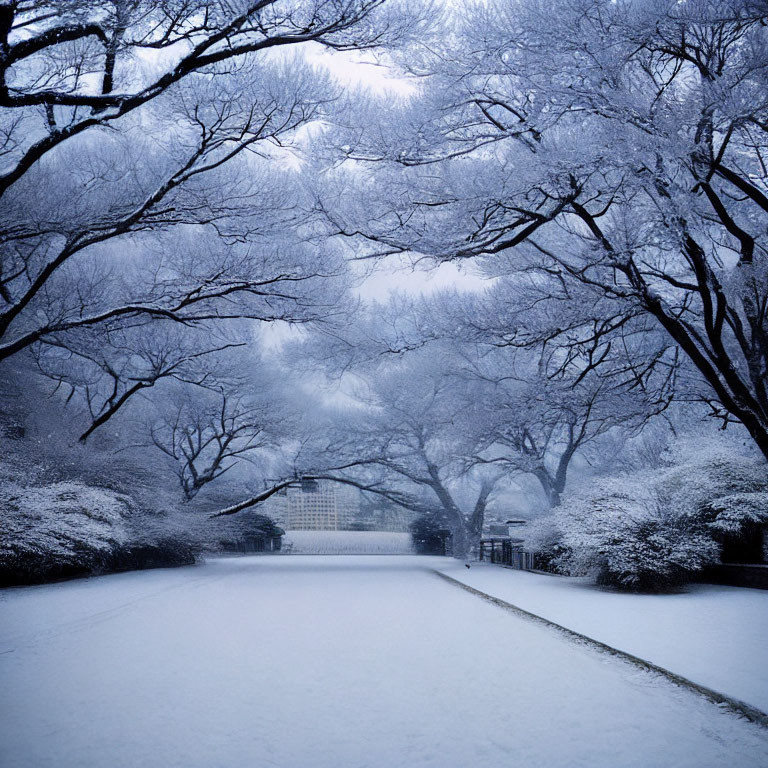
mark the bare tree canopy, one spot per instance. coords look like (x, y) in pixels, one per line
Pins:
(192, 196)
(617, 147)
(127, 119)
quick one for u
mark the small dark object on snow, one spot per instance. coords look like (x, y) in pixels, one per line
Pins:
(467, 565)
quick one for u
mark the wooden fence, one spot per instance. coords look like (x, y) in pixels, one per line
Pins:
(505, 552)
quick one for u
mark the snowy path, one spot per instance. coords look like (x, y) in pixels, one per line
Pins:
(326, 661)
(710, 634)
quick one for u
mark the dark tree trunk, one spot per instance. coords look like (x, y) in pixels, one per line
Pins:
(550, 486)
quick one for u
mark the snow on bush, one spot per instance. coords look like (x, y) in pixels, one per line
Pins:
(55, 527)
(64, 528)
(347, 543)
(543, 537)
(650, 530)
(725, 492)
(731, 512)
(623, 534)
(61, 517)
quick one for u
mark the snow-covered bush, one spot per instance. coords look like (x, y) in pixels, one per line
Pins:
(66, 529)
(544, 538)
(429, 534)
(623, 535)
(231, 533)
(58, 530)
(53, 528)
(724, 492)
(651, 530)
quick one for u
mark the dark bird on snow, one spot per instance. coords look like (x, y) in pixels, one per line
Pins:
(467, 565)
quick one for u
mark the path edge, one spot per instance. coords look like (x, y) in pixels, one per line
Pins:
(723, 701)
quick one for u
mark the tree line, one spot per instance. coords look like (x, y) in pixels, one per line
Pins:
(178, 176)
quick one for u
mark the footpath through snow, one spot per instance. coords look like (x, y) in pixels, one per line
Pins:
(327, 662)
(712, 635)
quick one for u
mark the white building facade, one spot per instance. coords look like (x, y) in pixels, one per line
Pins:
(317, 506)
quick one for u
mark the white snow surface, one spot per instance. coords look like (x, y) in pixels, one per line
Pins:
(713, 635)
(348, 543)
(326, 662)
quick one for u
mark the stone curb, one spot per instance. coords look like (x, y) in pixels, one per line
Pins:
(722, 700)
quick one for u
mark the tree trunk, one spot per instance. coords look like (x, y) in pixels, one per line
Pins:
(549, 486)
(461, 545)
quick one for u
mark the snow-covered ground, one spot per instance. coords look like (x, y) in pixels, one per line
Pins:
(713, 635)
(347, 543)
(337, 662)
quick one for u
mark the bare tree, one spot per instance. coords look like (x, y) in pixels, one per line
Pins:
(547, 394)
(107, 159)
(73, 61)
(409, 438)
(205, 438)
(538, 396)
(107, 370)
(620, 147)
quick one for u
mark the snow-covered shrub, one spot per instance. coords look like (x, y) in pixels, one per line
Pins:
(58, 530)
(429, 534)
(651, 530)
(232, 533)
(53, 528)
(724, 492)
(544, 538)
(730, 513)
(68, 529)
(68, 509)
(162, 552)
(623, 534)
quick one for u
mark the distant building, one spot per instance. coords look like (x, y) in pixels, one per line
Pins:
(316, 505)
